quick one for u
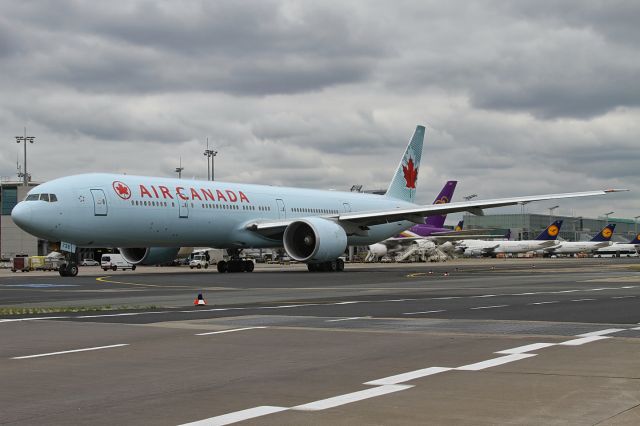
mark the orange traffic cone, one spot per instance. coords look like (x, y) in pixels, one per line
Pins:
(199, 300)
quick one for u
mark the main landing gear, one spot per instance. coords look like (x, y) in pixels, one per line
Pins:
(235, 263)
(69, 266)
(331, 266)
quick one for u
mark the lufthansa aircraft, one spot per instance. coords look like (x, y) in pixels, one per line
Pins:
(150, 218)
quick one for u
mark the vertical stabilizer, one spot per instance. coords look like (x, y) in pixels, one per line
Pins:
(459, 226)
(444, 197)
(636, 240)
(552, 231)
(403, 184)
(605, 234)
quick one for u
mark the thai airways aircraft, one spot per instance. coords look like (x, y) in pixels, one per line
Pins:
(150, 218)
(547, 238)
(417, 233)
(602, 239)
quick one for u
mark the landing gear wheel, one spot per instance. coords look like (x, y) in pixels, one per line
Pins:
(114, 268)
(199, 266)
(72, 270)
(235, 266)
(133, 267)
(63, 271)
(339, 265)
(206, 266)
(222, 267)
(312, 267)
(248, 266)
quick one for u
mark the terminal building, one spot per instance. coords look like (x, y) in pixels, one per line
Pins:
(528, 226)
(13, 240)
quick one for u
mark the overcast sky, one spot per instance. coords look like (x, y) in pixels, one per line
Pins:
(519, 98)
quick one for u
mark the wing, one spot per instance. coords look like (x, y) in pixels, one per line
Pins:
(359, 221)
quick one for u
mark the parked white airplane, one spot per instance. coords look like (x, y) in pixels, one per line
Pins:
(546, 239)
(632, 248)
(149, 218)
(602, 239)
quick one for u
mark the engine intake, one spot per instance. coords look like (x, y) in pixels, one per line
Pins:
(149, 255)
(314, 240)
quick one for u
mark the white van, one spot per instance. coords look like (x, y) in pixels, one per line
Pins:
(114, 262)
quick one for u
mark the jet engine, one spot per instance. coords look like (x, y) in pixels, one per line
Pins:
(149, 255)
(378, 250)
(314, 239)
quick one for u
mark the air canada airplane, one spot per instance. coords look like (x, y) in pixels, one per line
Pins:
(150, 218)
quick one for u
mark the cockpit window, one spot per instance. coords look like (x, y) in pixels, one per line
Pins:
(50, 198)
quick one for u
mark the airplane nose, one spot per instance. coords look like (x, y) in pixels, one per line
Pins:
(21, 215)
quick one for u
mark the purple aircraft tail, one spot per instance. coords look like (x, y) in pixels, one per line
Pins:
(444, 197)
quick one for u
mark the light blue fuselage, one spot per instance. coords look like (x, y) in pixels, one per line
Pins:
(110, 210)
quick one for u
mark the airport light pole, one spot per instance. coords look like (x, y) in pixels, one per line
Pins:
(607, 215)
(213, 164)
(551, 209)
(635, 220)
(210, 154)
(575, 231)
(180, 169)
(24, 139)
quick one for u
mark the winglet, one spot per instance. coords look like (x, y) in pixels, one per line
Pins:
(616, 190)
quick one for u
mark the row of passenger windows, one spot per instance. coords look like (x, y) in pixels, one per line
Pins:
(306, 210)
(50, 198)
(204, 206)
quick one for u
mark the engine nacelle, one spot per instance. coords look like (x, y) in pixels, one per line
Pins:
(314, 239)
(149, 255)
(378, 250)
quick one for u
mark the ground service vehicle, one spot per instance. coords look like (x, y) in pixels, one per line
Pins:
(114, 262)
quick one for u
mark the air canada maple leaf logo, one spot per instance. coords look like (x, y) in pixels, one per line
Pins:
(410, 174)
(122, 190)
(553, 230)
(607, 232)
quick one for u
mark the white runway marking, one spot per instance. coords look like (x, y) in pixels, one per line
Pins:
(623, 297)
(484, 295)
(544, 303)
(582, 300)
(127, 314)
(583, 340)
(566, 291)
(345, 319)
(229, 331)
(493, 362)
(71, 351)
(526, 348)
(348, 398)
(410, 375)
(30, 319)
(601, 332)
(447, 298)
(636, 328)
(424, 312)
(489, 307)
(237, 416)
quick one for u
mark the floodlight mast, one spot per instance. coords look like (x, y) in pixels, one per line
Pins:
(24, 139)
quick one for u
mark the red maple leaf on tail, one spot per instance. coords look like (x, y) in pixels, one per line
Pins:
(410, 174)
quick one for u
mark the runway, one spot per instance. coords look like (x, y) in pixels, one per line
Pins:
(475, 342)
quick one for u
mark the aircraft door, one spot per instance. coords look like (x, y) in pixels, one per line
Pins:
(183, 208)
(282, 212)
(100, 207)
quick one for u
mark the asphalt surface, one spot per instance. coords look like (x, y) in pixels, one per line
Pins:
(383, 344)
